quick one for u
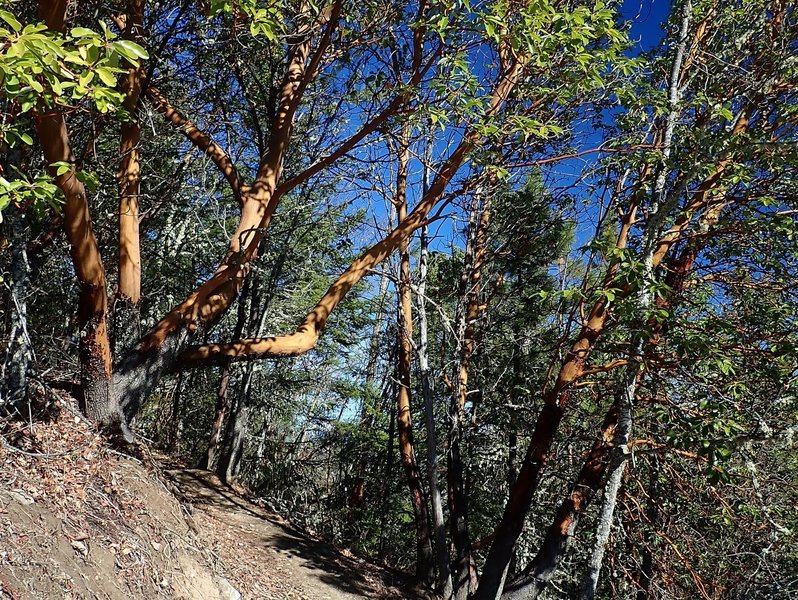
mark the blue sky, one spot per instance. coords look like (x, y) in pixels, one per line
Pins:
(646, 17)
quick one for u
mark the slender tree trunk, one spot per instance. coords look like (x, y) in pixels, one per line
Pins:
(236, 456)
(512, 455)
(387, 474)
(404, 426)
(441, 550)
(128, 293)
(229, 462)
(223, 404)
(99, 403)
(464, 569)
(512, 434)
(226, 446)
(458, 522)
(19, 352)
(175, 418)
(515, 394)
(618, 459)
(221, 411)
(656, 216)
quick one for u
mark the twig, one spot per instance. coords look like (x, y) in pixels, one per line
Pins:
(8, 446)
(8, 589)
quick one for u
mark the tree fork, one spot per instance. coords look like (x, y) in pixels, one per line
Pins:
(157, 350)
(573, 366)
(537, 454)
(537, 575)
(304, 338)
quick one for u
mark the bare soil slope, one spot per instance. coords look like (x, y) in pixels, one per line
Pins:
(79, 520)
(251, 541)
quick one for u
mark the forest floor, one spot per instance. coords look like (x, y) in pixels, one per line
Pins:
(82, 520)
(251, 540)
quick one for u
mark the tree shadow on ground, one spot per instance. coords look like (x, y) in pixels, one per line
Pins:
(317, 559)
(202, 487)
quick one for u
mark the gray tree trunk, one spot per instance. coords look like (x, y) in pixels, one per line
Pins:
(14, 386)
(618, 459)
(656, 216)
(229, 462)
(441, 550)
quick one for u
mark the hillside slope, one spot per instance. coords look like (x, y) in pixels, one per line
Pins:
(79, 519)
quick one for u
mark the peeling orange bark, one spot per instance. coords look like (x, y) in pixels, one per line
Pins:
(425, 569)
(99, 403)
(163, 347)
(307, 334)
(129, 176)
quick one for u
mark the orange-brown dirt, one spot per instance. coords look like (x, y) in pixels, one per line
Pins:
(80, 520)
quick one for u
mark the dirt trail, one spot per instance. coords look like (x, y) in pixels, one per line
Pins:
(253, 543)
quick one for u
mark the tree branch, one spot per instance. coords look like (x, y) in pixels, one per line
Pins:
(199, 138)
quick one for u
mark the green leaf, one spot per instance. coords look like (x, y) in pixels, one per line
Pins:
(11, 20)
(109, 35)
(61, 167)
(85, 78)
(107, 76)
(131, 49)
(78, 32)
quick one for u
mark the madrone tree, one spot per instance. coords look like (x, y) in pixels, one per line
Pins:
(463, 76)
(494, 74)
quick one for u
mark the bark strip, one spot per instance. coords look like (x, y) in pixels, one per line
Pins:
(464, 569)
(128, 293)
(404, 425)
